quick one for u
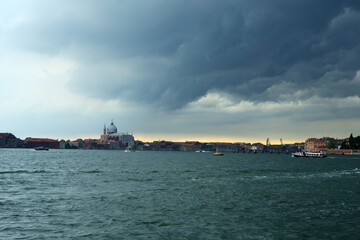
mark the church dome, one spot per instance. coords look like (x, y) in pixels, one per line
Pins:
(111, 129)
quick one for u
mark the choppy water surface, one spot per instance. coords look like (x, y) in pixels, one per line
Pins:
(176, 195)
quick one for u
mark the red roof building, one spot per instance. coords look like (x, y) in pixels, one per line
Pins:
(41, 142)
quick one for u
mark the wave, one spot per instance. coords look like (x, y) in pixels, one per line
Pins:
(22, 171)
(91, 171)
(307, 175)
(333, 174)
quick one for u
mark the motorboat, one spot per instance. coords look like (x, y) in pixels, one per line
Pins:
(42, 148)
(309, 154)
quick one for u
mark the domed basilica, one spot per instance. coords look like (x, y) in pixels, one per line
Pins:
(111, 129)
(115, 139)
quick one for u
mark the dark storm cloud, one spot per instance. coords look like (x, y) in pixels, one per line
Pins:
(177, 51)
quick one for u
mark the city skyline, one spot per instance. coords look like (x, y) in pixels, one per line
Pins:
(203, 139)
(204, 71)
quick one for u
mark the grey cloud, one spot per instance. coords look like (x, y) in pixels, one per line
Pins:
(248, 48)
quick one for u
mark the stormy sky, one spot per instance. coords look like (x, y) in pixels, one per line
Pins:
(213, 70)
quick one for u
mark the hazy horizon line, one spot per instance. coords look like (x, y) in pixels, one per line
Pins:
(185, 137)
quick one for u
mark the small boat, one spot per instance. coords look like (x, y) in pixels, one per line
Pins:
(217, 153)
(309, 154)
(201, 151)
(42, 148)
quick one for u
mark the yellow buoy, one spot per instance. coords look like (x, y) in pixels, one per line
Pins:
(217, 153)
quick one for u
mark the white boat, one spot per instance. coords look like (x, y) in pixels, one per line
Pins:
(309, 154)
(201, 151)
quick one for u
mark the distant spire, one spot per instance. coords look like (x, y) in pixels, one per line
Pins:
(104, 129)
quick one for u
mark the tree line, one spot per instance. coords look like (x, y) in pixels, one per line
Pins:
(353, 143)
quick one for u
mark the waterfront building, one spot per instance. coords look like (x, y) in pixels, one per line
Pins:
(165, 146)
(116, 140)
(337, 142)
(190, 146)
(41, 142)
(224, 147)
(159, 146)
(90, 143)
(315, 145)
(8, 140)
(62, 144)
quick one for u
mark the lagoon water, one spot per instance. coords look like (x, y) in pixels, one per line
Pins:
(94, 194)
